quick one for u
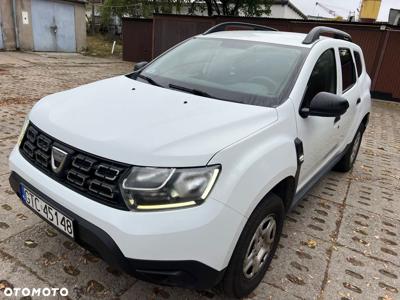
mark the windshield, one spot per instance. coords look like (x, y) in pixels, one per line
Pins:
(235, 70)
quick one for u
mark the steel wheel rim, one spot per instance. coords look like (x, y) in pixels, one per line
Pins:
(259, 247)
(356, 145)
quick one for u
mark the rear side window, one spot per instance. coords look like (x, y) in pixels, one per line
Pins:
(348, 69)
(357, 57)
(323, 77)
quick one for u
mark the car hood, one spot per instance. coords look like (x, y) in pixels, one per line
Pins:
(137, 123)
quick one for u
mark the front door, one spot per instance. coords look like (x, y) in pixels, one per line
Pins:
(318, 134)
(53, 26)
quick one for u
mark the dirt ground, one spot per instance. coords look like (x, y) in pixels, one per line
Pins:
(341, 242)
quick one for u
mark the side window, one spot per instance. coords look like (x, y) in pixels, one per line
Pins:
(357, 57)
(323, 77)
(348, 69)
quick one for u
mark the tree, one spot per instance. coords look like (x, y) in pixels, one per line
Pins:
(248, 8)
(137, 8)
(119, 8)
(145, 8)
(257, 8)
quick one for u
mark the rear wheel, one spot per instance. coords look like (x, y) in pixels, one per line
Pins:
(347, 161)
(255, 249)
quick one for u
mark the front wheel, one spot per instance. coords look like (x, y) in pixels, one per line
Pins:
(255, 249)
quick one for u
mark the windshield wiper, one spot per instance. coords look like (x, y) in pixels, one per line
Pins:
(198, 92)
(189, 90)
(148, 79)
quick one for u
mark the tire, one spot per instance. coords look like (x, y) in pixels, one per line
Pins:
(347, 161)
(239, 281)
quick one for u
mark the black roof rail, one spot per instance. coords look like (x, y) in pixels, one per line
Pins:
(223, 26)
(315, 33)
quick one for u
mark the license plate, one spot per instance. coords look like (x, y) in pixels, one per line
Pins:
(47, 212)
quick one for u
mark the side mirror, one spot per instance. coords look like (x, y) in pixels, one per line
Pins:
(140, 65)
(325, 105)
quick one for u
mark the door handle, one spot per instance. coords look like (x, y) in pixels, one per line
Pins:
(54, 28)
(358, 101)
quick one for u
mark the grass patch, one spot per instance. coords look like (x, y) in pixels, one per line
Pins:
(101, 46)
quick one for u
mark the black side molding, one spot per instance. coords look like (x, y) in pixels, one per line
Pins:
(298, 144)
(245, 26)
(316, 32)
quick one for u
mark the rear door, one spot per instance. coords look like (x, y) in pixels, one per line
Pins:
(349, 89)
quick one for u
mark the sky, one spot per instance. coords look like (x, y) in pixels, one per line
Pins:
(342, 7)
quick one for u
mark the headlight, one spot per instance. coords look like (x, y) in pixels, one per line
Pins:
(23, 130)
(147, 188)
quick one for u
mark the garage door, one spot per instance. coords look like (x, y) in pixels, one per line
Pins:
(1, 35)
(53, 25)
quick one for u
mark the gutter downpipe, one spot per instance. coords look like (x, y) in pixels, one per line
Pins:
(14, 11)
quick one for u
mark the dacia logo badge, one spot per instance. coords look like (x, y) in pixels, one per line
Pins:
(58, 158)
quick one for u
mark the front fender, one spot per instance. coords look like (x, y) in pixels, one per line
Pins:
(253, 166)
(252, 169)
(256, 164)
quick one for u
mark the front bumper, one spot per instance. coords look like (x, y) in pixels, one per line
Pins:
(186, 247)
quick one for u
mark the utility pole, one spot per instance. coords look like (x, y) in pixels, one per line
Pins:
(93, 18)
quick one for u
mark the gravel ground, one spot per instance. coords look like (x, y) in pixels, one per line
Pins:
(341, 242)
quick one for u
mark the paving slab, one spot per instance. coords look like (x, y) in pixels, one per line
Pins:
(6, 146)
(373, 158)
(376, 199)
(384, 126)
(314, 216)
(30, 76)
(377, 175)
(61, 262)
(370, 234)
(13, 275)
(332, 187)
(11, 119)
(14, 217)
(354, 276)
(144, 290)
(266, 291)
(299, 265)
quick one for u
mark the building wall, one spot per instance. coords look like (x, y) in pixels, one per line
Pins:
(1, 35)
(283, 11)
(25, 32)
(7, 24)
(291, 14)
(277, 11)
(80, 27)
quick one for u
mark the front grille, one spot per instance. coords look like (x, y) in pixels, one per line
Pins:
(92, 176)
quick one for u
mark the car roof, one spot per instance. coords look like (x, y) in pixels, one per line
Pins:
(275, 37)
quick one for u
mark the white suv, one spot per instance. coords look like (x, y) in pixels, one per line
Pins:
(182, 171)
